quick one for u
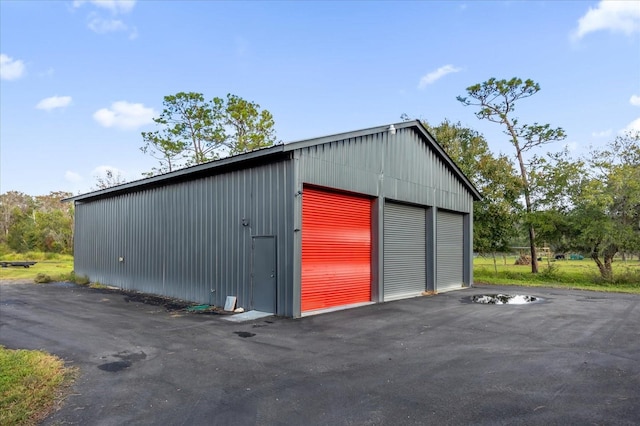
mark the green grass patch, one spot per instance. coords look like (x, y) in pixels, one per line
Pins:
(97, 285)
(30, 385)
(57, 267)
(36, 255)
(578, 274)
(78, 279)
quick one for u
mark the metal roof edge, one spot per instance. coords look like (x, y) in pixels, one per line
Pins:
(416, 124)
(305, 143)
(282, 148)
(175, 175)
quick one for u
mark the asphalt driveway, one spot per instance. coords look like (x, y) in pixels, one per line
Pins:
(574, 359)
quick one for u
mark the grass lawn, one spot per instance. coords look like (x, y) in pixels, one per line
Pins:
(30, 385)
(579, 274)
(58, 267)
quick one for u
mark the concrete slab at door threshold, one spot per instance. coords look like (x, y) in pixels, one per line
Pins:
(247, 316)
(335, 308)
(446, 290)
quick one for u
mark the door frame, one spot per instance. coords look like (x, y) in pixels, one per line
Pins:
(275, 270)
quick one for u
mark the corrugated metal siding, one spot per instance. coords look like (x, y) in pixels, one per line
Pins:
(404, 251)
(449, 251)
(415, 174)
(350, 164)
(336, 250)
(187, 239)
(400, 167)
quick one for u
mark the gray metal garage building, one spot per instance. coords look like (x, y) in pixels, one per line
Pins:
(339, 221)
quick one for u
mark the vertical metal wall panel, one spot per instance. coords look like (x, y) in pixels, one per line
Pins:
(468, 249)
(401, 167)
(187, 240)
(405, 254)
(450, 251)
(431, 248)
(352, 164)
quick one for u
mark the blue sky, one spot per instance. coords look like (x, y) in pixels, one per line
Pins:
(80, 80)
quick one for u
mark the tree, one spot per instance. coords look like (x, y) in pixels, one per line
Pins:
(497, 99)
(54, 222)
(496, 214)
(194, 131)
(22, 233)
(41, 223)
(110, 178)
(246, 128)
(606, 215)
(12, 204)
(555, 181)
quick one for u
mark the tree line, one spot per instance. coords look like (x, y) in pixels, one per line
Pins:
(587, 205)
(40, 223)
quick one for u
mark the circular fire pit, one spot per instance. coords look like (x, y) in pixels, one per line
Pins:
(504, 299)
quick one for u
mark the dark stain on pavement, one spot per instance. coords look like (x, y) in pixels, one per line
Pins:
(114, 367)
(126, 360)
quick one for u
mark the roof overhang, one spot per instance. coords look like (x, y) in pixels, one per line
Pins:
(275, 153)
(272, 153)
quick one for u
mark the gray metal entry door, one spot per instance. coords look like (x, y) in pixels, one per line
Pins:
(263, 274)
(404, 251)
(449, 251)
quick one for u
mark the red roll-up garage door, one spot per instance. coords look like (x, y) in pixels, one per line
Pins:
(336, 249)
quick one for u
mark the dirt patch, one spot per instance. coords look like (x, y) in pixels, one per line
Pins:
(168, 303)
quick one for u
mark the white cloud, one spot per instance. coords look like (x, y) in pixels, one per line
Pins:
(615, 16)
(433, 76)
(635, 100)
(72, 177)
(103, 26)
(124, 115)
(54, 102)
(10, 69)
(602, 134)
(98, 23)
(632, 127)
(115, 6)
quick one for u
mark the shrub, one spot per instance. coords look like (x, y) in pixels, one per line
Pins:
(77, 279)
(42, 278)
(4, 249)
(551, 272)
(629, 276)
(81, 279)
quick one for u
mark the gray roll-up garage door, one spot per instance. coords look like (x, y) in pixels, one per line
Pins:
(404, 251)
(449, 251)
